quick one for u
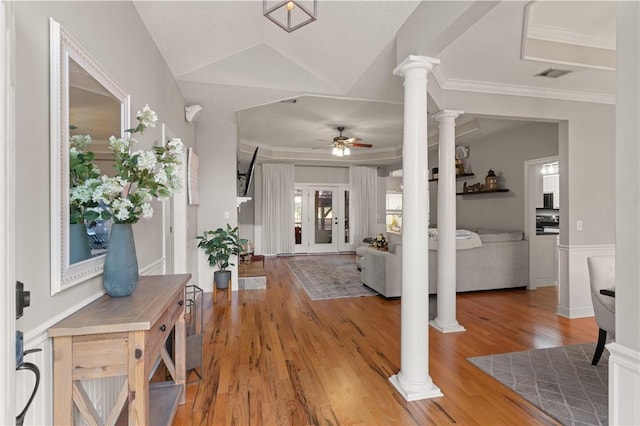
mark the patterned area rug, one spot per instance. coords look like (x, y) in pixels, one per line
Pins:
(560, 381)
(329, 277)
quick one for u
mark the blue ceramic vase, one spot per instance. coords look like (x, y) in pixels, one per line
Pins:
(121, 264)
(79, 249)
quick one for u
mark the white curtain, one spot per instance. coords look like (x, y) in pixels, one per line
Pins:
(362, 202)
(277, 208)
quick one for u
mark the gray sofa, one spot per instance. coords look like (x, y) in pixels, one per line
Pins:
(501, 262)
(379, 270)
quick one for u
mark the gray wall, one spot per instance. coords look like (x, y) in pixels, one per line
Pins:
(504, 153)
(218, 189)
(322, 175)
(116, 37)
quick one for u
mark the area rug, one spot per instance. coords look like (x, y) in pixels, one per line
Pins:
(329, 277)
(560, 381)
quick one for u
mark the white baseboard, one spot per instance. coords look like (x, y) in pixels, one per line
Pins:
(624, 385)
(581, 312)
(574, 293)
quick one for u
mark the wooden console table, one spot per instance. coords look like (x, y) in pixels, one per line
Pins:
(123, 337)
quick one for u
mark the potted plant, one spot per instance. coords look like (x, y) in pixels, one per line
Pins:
(219, 245)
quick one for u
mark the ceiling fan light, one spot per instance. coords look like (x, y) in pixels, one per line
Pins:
(335, 150)
(340, 153)
(347, 151)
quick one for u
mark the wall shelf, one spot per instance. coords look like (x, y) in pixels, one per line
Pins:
(463, 175)
(482, 192)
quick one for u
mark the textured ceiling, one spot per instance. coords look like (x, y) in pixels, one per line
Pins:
(238, 65)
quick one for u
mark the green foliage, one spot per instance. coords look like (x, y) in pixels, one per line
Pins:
(219, 245)
(82, 172)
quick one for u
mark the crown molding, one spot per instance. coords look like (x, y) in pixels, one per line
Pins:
(561, 35)
(446, 83)
(379, 156)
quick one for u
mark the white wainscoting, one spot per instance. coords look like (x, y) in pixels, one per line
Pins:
(574, 294)
(624, 385)
(157, 267)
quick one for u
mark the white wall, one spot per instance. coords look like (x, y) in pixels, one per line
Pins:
(116, 37)
(504, 153)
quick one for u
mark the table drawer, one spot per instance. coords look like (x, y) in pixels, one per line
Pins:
(160, 330)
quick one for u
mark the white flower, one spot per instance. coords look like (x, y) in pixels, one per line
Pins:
(108, 189)
(121, 208)
(146, 159)
(147, 117)
(118, 144)
(143, 195)
(176, 146)
(79, 141)
(160, 176)
(81, 194)
(141, 176)
(147, 211)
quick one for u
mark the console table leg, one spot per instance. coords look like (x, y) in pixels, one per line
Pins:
(62, 382)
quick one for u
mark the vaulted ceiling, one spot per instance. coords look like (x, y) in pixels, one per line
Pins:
(238, 65)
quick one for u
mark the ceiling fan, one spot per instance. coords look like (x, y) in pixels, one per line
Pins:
(342, 145)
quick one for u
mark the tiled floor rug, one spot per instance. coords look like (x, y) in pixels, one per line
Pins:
(329, 277)
(560, 381)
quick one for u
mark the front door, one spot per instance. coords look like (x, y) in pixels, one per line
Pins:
(321, 219)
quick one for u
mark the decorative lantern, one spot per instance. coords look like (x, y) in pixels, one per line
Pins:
(491, 181)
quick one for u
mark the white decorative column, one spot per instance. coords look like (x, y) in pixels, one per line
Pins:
(446, 321)
(413, 381)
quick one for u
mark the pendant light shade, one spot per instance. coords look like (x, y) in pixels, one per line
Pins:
(290, 14)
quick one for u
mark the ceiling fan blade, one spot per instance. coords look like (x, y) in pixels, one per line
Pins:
(362, 145)
(353, 140)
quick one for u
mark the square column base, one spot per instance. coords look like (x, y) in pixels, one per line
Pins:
(446, 328)
(412, 395)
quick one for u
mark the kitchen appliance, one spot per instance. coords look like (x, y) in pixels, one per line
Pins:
(547, 200)
(547, 223)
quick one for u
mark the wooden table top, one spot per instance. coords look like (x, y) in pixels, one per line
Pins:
(139, 311)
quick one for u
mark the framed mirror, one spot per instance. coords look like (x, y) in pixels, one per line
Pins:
(85, 100)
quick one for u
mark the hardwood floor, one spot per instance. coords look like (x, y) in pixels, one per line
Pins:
(275, 357)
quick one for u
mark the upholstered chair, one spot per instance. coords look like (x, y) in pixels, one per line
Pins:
(602, 275)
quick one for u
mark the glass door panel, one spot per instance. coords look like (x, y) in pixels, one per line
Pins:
(297, 216)
(343, 213)
(325, 220)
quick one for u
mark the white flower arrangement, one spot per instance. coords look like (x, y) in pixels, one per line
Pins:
(140, 177)
(379, 241)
